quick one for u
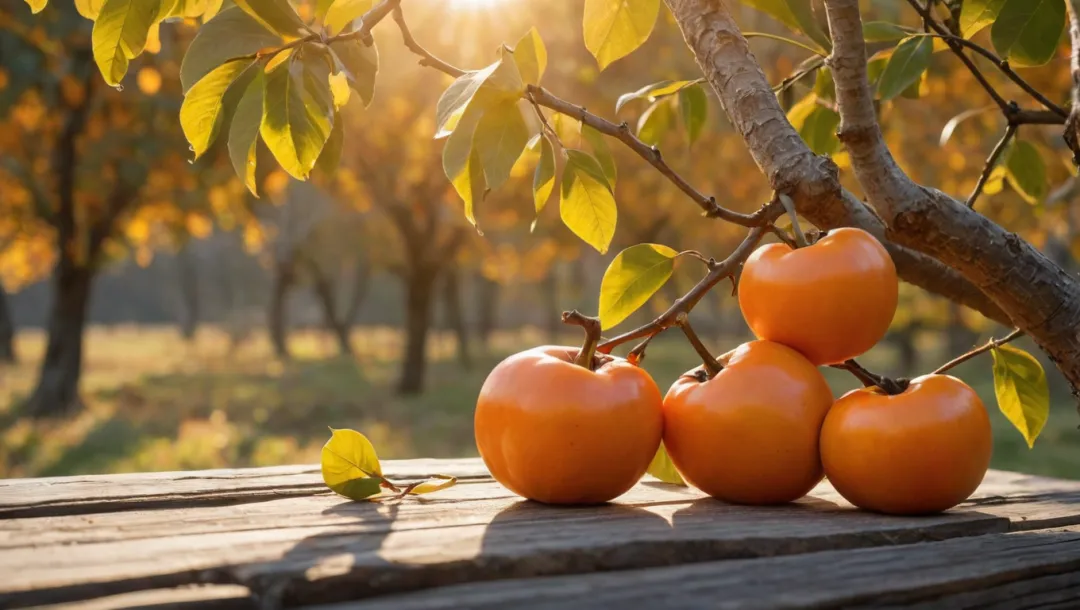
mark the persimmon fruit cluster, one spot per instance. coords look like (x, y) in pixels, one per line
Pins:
(765, 428)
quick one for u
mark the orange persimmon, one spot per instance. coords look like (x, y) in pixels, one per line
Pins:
(750, 434)
(924, 450)
(556, 432)
(830, 301)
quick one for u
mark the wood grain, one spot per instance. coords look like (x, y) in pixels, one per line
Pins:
(1027, 569)
(322, 548)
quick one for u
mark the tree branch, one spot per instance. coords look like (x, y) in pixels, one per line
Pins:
(811, 181)
(1036, 294)
(991, 344)
(991, 162)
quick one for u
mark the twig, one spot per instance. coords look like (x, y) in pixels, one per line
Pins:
(789, 207)
(888, 385)
(808, 69)
(991, 162)
(712, 367)
(621, 132)
(991, 344)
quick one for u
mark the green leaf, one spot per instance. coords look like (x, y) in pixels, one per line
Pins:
(614, 28)
(201, 114)
(361, 64)
(500, 138)
(655, 122)
(461, 160)
(662, 468)
(586, 204)
(342, 13)
(437, 482)
(470, 185)
(298, 112)
(120, 34)
(275, 15)
(797, 15)
(694, 110)
(331, 153)
(244, 131)
(500, 78)
(824, 87)
(89, 9)
(36, 5)
(653, 91)
(544, 177)
(1026, 172)
(905, 66)
(816, 124)
(602, 152)
(631, 279)
(530, 55)
(1021, 390)
(231, 33)
(883, 31)
(977, 14)
(1027, 32)
(350, 466)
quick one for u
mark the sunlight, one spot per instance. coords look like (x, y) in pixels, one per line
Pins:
(473, 5)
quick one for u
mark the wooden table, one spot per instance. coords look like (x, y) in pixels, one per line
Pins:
(273, 537)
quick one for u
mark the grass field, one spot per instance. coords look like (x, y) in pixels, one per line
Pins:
(154, 402)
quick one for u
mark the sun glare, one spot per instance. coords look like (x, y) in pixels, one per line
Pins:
(474, 5)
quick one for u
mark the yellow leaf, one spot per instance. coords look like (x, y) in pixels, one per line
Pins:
(436, 483)
(586, 204)
(631, 278)
(662, 468)
(614, 28)
(1021, 390)
(339, 87)
(350, 466)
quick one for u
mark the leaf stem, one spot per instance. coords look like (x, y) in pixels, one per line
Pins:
(592, 336)
(789, 207)
(886, 384)
(991, 344)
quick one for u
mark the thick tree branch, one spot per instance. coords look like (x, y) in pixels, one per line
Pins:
(790, 166)
(1037, 295)
(1072, 124)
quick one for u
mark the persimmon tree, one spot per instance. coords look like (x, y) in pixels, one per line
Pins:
(283, 78)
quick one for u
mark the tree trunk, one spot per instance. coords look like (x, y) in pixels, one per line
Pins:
(418, 302)
(7, 331)
(189, 294)
(334, 323)
(57, 391)
(455, 318)
(487, 307)
(276, 317)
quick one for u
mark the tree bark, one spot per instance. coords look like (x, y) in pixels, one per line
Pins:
(7, 331)
(487, 307)
(333, 322)
(812, 181)
(284, 276)
(57, 391)
(1036, 295)
(420, 284)
(188, 282)
(455, 316)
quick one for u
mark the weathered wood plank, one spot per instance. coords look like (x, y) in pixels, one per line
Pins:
(106, 493)
(322, 548)
(930, 575)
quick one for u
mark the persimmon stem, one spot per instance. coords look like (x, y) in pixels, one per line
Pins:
(789, 207)
(887, 384)
(712, 367)
(592, 336)
(637, 354)
(989, 345)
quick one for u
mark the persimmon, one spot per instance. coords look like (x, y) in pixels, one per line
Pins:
(830, 301)
(749, 435)
(923, 450)
(554, 431)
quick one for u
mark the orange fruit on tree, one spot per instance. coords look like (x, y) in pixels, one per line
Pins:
(749, 434)
(923, 450)
(557, 432)
(831, 301)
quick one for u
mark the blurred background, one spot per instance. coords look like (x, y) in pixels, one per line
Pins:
(196, 326)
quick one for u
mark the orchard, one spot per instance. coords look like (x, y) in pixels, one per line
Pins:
(847, 222)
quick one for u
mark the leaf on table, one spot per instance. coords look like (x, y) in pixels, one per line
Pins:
(664, 469)
(437, 482)
(350, 466)
(1022, 391)
(633, 276)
